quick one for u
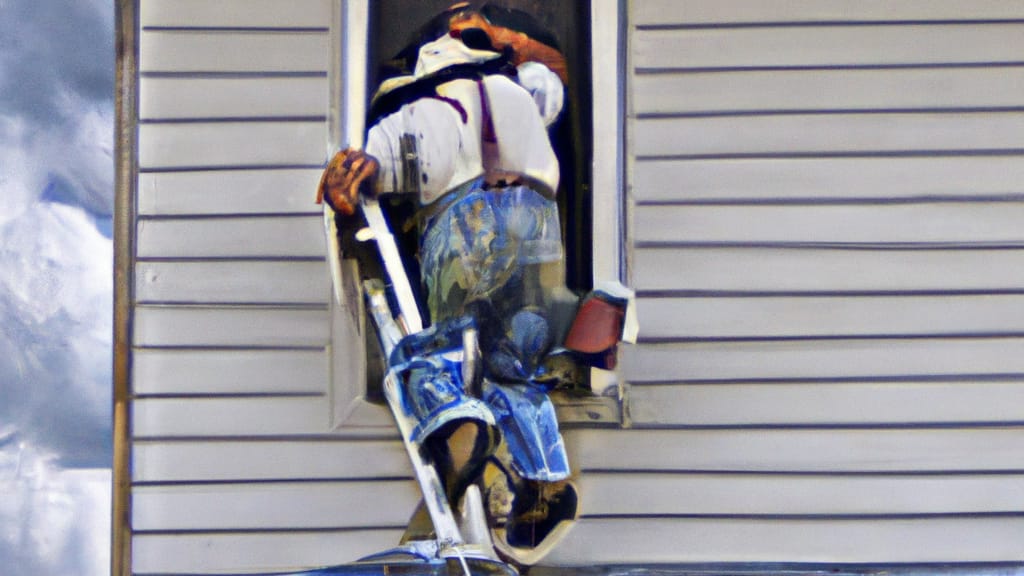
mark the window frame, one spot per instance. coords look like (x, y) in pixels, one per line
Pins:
(348, 75)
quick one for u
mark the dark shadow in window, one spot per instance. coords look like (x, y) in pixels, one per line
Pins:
(393, 23)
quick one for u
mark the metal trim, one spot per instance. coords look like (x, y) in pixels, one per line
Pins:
(126, 175)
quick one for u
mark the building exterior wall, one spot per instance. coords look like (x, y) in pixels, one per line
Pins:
(823, 232)
(826, 243)
(235, 464)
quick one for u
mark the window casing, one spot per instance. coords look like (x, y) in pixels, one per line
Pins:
(593, 209)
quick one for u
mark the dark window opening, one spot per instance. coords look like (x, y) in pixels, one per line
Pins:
(393, 23)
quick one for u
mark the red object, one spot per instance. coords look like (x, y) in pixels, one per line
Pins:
(597, 326)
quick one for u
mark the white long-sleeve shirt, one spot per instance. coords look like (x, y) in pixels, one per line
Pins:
(446, 133)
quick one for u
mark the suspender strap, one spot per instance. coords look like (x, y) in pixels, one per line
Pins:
(487, 126)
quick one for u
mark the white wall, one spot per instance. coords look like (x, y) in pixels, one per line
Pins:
(826, 243)
(235, 467)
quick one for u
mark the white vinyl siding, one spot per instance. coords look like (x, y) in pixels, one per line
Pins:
(231, 411)
(184, 50)
(826, 244)
(217, 192)
(824, 199)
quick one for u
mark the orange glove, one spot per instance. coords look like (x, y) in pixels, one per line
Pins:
(524, 48)
(348, 174)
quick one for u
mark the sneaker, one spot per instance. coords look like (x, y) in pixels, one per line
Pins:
(531, 534)
(556, 504)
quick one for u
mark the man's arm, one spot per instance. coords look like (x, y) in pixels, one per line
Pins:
(350, 172)
(545, 88)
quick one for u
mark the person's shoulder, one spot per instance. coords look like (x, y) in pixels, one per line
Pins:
(500, 85)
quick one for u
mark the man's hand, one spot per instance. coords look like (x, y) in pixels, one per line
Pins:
(350, 172)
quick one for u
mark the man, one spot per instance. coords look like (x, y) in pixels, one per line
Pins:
(465, 130)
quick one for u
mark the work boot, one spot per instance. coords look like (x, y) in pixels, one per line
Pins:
(555, 503)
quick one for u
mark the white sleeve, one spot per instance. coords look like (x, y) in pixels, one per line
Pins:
(417, 148)
(382, 143)
(545, 87)
(523, 143)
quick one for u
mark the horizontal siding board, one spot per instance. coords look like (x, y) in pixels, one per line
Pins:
(824, 404)
(617, 541)
(389, 503)
(827, 90)
(230, 326)
(823, 359)
(271, 416)
(186, 461)
(212, 417)
(762, 317)
(191, 51)
(278, 237)
(667, 540)
(767, 179)
(828, 451)
(808, 270)
(254, 417)
(749, 494)
(191, 98)
(667, 12)
(235, 13)
(197, 145)
(223, 192)
(254, 552)
(828, 133)
(242, 282)
(832, 46)
(277, 506)
(162, 371)
(937, 223)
